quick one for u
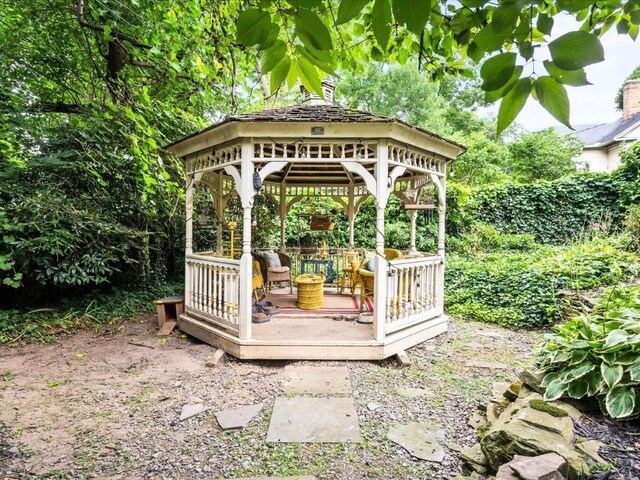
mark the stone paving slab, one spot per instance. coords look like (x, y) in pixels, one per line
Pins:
(316, 380)
(238, 418)
(314, 420)
(420, 440)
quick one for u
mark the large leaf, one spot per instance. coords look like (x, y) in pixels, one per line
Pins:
(273, 55)
(490, 97)
(576, 372)
(575, 78)
(279, 73)
(612, 374)
(555, 390)
(512, 103)
(312, 31)
(621, 401)
(575, 50)
(594, 382)
(381, 22)
(615, 338)
(504, 17)
(578, 388)
(553, 97)
(413, 13)
(497, 71)
(253, 27)
(544, 23)
(548, 378)
(488, 40)
(309, 76)
(574, 5)
(634, 371)
(349, 9)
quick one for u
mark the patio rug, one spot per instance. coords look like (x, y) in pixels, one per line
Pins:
(334, 304)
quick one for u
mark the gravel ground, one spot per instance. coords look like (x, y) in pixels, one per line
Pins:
(104, 405)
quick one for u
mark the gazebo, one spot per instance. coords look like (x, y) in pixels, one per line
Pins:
(322, 150)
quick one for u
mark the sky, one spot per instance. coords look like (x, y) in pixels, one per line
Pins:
(594, 103)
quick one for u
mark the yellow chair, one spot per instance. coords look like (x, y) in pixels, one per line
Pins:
(365, 279)
(257, 281)
(347, 278)
(392, 254)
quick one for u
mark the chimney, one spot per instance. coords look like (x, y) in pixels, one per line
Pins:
(631, 98)
(309, 98)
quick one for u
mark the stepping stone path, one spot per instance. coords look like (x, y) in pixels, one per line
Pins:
(304, 419)
(317, 380)
(238, 418)
(420, 440)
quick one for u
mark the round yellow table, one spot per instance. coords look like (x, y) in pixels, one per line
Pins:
(310, 291)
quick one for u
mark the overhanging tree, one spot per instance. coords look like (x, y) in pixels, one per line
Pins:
(304, 39)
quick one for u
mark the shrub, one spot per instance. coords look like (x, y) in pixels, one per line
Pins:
(508, 289)
(596, 263)
(523, 289)
(553, 212)
(596, 356)
(483, 237)
(632, 226)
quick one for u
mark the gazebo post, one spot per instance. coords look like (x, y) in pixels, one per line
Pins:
(412, 239)
(219, 202)
(188, 244)
(189, 215)
(246, 197)
(351, 215)
(381, 265)
(282, 207)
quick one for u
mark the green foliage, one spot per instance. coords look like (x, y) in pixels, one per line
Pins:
(628, 176)
(542, 155)
(595, 355)
(632, 226)
(522, 289)
(97, 308)
(599, 262)
(483, 238)
(444, 37)
(554, 212)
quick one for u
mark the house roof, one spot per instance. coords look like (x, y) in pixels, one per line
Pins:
(315, 113)
(601, 134)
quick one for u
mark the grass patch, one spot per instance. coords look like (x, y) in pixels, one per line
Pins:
(95, 309)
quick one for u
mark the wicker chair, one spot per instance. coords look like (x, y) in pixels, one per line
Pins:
(282, 274)
(347, 278)
(365, 279)
(257, 281)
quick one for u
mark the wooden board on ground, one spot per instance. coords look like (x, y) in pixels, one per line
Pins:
(166, 329)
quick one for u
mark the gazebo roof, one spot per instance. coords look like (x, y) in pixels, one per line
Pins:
(315, 113)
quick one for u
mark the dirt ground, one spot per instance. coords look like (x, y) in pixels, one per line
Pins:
(107, 404)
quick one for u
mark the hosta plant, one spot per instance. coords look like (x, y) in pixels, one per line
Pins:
(597, 355)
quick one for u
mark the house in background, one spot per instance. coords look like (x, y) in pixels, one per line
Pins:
(603, 142)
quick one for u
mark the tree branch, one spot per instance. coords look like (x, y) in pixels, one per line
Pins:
(57, 107)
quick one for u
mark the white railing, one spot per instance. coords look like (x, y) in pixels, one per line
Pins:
(414, 291)
(212, 289)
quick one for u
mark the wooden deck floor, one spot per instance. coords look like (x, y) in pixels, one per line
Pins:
(311, 329)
